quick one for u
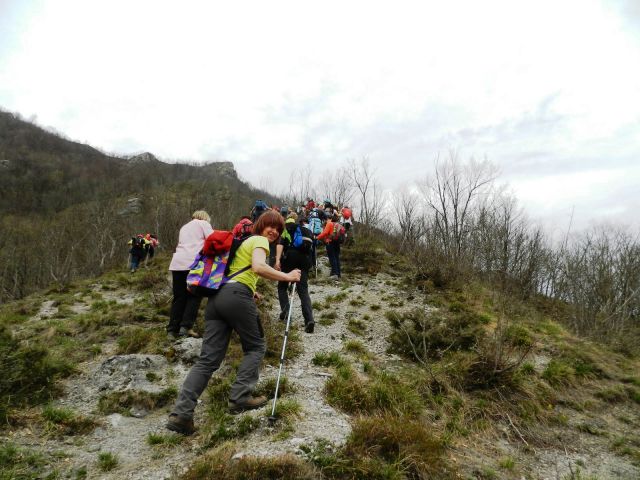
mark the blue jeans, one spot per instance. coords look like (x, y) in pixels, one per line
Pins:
(135, 262)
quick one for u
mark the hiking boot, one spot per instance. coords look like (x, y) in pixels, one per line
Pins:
(180, 424)
(172, 335)
(283, 315)
(188, 332)
(250, 403)
(308, 328)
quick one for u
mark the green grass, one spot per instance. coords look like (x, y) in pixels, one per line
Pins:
(384, 447)
(327, 318)
(328, 359)
(20, 463)
(355, 347)
(140, 340)
(218, 463)
(220, 425)
(165, 440)
(29, 373)
(379, 394)
(63, 421)
(357, 327)
(107, 461)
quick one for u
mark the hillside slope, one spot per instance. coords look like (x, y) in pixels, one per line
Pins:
(358, 400)
(67, 210)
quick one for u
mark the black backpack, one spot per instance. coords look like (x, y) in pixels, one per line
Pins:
(137, 242)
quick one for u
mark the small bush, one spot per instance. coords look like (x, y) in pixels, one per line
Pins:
(387, 447)
(557, 373)
(423, 336)
(107, 461)
(29, 373)
(381, 394)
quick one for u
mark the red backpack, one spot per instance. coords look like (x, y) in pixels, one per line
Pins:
(338, 233)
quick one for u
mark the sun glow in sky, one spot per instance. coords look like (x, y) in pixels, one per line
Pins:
(547, 90)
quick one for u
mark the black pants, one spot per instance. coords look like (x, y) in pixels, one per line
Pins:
(184, 306)
(303, 292)
(333, 252)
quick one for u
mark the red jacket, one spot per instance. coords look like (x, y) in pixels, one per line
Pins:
(219, 241)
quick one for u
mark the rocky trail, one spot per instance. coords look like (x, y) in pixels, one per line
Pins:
(597, 438)
(126, 436)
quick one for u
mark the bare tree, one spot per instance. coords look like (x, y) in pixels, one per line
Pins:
(411, 223)
(370, 194)
(451, 194)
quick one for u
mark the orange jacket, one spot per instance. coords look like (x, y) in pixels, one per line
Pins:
(326, 233)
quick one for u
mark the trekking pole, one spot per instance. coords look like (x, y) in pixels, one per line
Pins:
(272, 418)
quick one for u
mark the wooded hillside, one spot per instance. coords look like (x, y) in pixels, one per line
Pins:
(67, 210)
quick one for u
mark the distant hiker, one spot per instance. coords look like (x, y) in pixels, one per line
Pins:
(258, 209)
(333, 236)
(184, 306)
(233, 308)
(284, 211)
(152, 244)
(315, 225)
(346, 215)
(310, 205)
(137, 251)
(346, 218)
(243, 228)
(293, 252)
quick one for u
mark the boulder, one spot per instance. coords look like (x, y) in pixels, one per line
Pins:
(188, 349)
(129, 372)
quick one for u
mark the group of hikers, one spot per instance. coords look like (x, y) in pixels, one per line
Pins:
(142, 249)
(273, 243)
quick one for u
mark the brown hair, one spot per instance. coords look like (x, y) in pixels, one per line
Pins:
(270, 218)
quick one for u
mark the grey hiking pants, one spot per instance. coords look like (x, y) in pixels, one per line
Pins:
(232, 308)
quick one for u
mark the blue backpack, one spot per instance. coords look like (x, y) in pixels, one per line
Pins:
(315, 225)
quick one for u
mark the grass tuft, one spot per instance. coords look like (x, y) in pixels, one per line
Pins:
(219, 464)
(122, 402)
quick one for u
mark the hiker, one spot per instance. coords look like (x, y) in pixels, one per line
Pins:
(284, 211)
(233, 308)
(347, 216)
(310, 205)
(258, 209)
(137, 251)
(293, 252)
(184, 306)
(332, 236)
(152, 244)
(315, 225)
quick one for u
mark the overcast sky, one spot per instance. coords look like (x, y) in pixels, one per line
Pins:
(547, 90)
